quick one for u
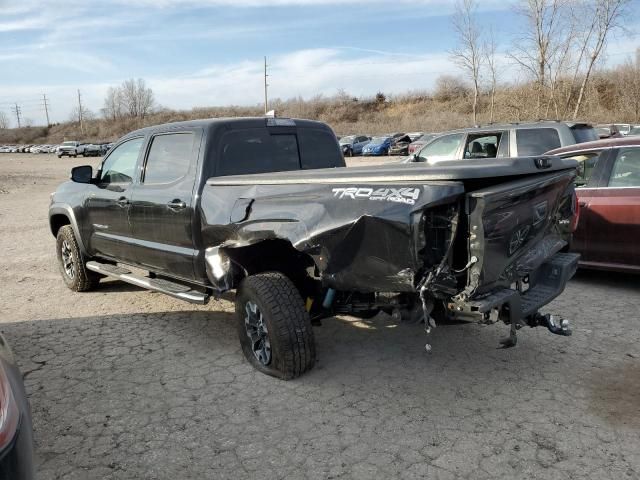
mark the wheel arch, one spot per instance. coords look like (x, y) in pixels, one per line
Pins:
(228, 265)
(61, 215)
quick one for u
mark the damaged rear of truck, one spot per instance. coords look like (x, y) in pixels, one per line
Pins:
(484, 242)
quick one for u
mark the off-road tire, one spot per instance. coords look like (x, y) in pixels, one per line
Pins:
(82, 279)
(293, 349)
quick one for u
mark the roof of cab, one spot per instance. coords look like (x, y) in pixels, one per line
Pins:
(237, 122)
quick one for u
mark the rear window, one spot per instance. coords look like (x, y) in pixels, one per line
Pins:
(318, 149)
(257, 150)
(536, 141)
(584, 133)
(626, 169)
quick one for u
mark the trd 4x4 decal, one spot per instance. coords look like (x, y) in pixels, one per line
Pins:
(407, 195)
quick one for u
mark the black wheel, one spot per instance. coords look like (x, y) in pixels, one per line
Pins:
(72, 265)
(350, 152)
(274, 328)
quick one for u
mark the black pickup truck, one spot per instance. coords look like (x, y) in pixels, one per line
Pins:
(266, 206)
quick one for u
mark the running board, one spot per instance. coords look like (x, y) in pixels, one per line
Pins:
(173, 289)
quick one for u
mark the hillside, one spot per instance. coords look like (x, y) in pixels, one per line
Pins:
(613, 96)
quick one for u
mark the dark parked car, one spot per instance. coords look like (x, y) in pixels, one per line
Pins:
(509, 140)
(400, 146)
(16, 433)
(608, 234)
(266, 207)
(353, 144)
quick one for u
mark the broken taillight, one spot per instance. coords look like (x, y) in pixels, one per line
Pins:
(9, 413)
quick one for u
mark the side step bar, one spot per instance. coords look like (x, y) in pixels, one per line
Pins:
(167, 287)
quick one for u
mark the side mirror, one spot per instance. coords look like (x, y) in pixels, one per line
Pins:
(82, 174)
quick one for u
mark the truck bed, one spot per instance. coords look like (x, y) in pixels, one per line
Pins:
(459, 170)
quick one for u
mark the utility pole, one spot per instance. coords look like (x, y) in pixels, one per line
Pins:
(80, 112)
(266, 102)
(46, 107)
(17, 111)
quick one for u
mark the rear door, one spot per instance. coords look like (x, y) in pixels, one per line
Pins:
(613, 213)
(162, 204)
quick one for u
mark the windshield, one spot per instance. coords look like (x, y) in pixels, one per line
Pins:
(69, 143)
(634, 131)
(378, 140)
(348, 139)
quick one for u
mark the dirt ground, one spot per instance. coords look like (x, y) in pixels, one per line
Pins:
(128, 384)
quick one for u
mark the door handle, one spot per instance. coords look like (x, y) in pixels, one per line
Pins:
(176, 204)
(122, 202)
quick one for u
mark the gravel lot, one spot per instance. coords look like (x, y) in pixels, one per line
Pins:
(128, 384)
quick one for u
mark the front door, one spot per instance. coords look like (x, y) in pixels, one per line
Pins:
(614, 214)
(108, 200)
(162, 205)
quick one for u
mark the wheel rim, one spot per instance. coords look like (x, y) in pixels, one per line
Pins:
(257, 332)
(67, 259)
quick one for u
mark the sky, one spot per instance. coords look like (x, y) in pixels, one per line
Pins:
(198, 53)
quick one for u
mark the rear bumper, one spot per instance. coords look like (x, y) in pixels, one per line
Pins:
(547, 283)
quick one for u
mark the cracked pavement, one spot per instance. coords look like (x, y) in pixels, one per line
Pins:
(129, 384)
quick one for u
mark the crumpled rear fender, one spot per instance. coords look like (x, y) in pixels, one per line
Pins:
(360, 237)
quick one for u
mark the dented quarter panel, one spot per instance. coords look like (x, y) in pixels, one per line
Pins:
(359, 236)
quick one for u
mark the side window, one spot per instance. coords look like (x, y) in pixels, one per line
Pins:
(119, 167)
(169, 158)
(482, 146)
(318, 149)
(442, 148)
(536, 141)
(626, 169)
(586, 165)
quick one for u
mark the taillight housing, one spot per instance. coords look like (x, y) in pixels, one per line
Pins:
(9, 413)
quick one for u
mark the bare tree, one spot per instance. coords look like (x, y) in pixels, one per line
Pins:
(468, 54)
(490, 57)
(137, 98)
(4, 120)
(535, 48)
(75, 116)
(606, 15)
(113, 104)
(629, 95)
